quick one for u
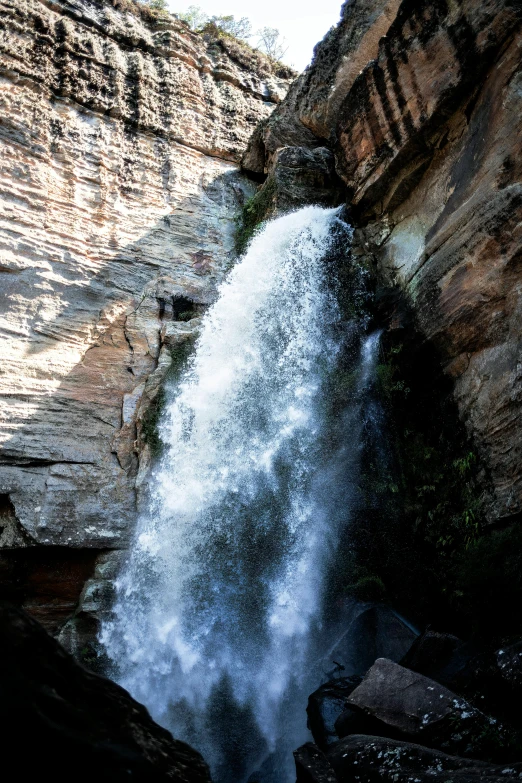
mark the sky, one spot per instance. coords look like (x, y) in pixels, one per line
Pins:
(302, 22)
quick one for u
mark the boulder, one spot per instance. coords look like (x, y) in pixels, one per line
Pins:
(489, 677)
(376, 631)
(443, 657)
(416, 706)
(312, 766)
(509, 663)
(367, 759)
(353, 721)
(325, 705)
(62, 722)
(301, 176)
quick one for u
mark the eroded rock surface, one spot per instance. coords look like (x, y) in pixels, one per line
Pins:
(367, 759)
(119, 186)
(416, 706)
(421, 104)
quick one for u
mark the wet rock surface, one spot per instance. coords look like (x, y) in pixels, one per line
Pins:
(394, 723)
(509, 662)
(443, 657)
(58, 717)
(367, 758)
(312, 766)
(371, 631)
(376, 631)
(325, 705)
(414, 705)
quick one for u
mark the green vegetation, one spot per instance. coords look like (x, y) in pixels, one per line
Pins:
(199, 21)
(268, 41)
(156, 5)
(421, 533)
(366, 587)
(489, 582)
(149, 431)
(417, 535)
(225, 27)
(254, 212)
(148, 9)
(423, 495)
(150, 424)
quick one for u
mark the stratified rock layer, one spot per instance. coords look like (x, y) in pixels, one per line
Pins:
(421, 104)
(119, 186)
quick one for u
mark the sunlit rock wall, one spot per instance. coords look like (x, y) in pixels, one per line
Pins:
(119, 186)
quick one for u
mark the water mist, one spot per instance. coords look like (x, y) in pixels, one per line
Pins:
(219, 610)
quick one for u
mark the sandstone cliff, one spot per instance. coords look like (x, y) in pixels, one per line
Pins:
(119, 187)
(421, 105)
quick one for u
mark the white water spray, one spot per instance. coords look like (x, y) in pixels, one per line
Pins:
(223, 589)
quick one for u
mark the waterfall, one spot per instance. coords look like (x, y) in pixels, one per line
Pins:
(219, 609)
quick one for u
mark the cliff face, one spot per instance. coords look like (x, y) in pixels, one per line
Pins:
(421, 104)
(119, 187)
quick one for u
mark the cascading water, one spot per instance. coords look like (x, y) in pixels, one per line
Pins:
(219, 610)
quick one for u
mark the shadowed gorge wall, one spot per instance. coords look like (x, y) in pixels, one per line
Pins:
(420, 105)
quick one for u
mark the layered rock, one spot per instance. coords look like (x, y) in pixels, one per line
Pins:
(119, 188)
(420, 103)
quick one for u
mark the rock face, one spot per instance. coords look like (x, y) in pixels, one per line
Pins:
(372, 631)
(312, 765)
(367, 759)
(375, 631)
(416, 706)
(119, 187)
(61, 721)
(441, 656)
(421, 104)
(325, 705)
(391, 708)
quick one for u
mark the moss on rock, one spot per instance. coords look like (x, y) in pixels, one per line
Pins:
(150, 423)
(255, 211)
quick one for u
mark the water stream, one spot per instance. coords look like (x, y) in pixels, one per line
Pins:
(219, 619)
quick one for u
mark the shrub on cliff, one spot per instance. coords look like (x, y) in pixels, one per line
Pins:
(225, 26)
(147, 9)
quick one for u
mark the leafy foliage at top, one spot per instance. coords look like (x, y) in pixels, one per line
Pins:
(156, 5)
(268, 39)
(198, 20)
(271, 43)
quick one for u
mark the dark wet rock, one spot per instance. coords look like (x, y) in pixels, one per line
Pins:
(418, 707)
(376, 631)
(509, 663)
(325, 705)
(298, 177)
(443, 657)
(487, 679)
(352, 721)
(367, 759)
(404, 700)
(312, 766)
(62, 722)
(303, 176)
